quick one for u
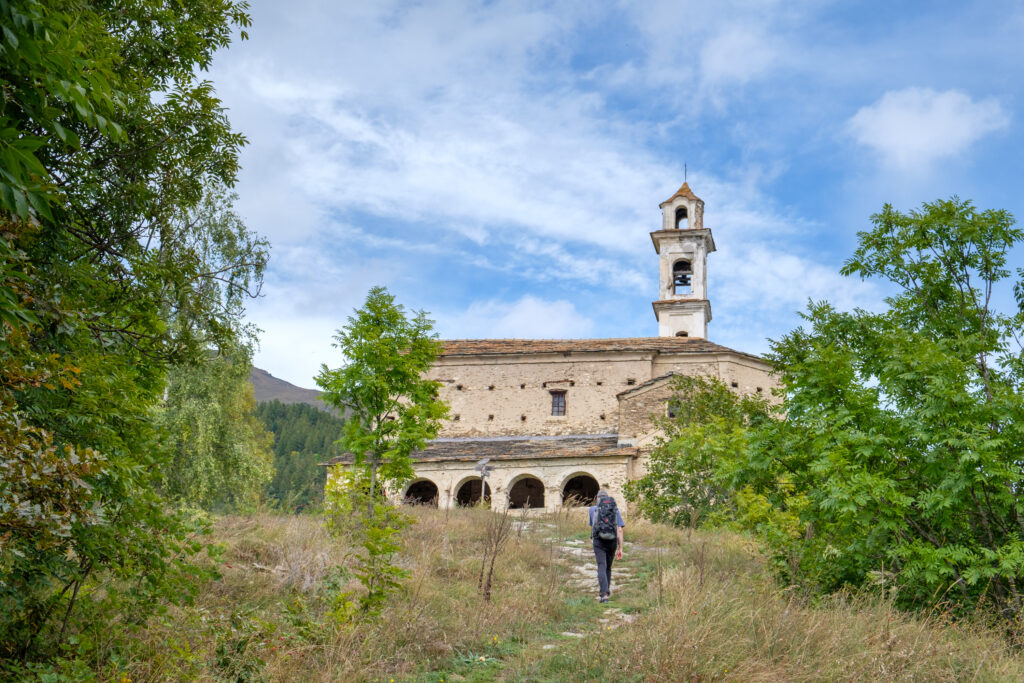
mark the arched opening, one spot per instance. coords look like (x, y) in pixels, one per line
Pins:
(681, 274)
(469, 493)
(682, 220)
(527, 492)
(580, 491)
(423, 492)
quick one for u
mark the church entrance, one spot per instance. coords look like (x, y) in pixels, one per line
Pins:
(527, 492)
(422, 493)
(469, 493)
(580, 491)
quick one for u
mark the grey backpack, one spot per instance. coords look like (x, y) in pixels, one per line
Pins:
(604, 520)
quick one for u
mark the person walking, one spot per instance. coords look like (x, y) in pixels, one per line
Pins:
(606, 531)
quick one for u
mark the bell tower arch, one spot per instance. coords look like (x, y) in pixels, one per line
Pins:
(683, 245)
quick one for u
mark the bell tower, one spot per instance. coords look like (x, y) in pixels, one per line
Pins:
(683, 245)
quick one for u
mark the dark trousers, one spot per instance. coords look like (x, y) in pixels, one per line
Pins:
(604, 552)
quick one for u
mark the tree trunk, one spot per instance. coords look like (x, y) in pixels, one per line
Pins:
(373, 487)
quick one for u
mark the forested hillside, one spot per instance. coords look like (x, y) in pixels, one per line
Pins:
(270, 388)
(303, 437)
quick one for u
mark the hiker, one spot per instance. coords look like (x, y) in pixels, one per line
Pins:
(606, 531)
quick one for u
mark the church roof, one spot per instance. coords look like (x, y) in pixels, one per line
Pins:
(683, 191)
(480, 347)
(514, 448)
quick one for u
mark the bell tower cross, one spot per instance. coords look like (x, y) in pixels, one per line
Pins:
(683, 245)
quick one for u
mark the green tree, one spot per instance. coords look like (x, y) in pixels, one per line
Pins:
(392, 410)
(222, 457)
(705, 433)
(901, 449)
(109, 142)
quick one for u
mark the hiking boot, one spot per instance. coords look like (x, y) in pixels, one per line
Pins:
(604, 598)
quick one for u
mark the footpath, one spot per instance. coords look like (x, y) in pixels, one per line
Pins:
(576, 555)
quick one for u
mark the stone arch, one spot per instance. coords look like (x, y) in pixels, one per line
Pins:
(467, 492)
(421, 492)
(526, 488)
(579, 489)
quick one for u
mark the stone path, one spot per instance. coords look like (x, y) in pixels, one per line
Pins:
(578, 557)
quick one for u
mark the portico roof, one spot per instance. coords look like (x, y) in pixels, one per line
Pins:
(497, 448)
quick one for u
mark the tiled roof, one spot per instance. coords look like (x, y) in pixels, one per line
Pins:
(683, 191)
(644, 385)
(479, 347)
(514, 448)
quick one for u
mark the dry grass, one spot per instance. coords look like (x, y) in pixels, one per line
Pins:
(719, 617)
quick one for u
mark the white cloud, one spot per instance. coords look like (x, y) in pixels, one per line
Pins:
(527, 318)
(762, 278)
(737, 54)
(912, 128)
(453, 137)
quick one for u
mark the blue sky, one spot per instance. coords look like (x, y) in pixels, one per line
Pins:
(500, 164)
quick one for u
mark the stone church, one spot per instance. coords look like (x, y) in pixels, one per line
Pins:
(560, 418)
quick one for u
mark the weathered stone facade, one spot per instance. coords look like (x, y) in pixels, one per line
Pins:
(558, 418)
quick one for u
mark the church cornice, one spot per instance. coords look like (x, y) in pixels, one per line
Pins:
(683, 235)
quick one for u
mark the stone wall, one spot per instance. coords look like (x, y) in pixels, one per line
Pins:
(511, 395)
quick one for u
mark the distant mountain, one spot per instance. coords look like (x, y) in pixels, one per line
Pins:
(267, 388)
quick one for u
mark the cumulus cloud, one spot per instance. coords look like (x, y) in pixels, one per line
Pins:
(459, 154)
(912, 128)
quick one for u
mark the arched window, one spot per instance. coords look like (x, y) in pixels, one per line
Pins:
(681, 274)
(682, 220)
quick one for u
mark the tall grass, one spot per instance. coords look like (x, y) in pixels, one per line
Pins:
(278, 613)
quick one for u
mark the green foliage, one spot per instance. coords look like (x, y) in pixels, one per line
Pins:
(221, 449)
(704, 435)
(901, 449)
(119, 257)
(392, 410)
(897, 463)
(375, 567)
(304, 437)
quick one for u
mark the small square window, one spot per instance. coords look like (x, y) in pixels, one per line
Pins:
(490, 418)
(456, 418)
(630, 381)
(558, 403)
(734, 385)
(522, 418)
(490, 387)
(759, 390)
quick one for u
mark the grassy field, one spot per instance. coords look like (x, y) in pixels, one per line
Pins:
(686, 608)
